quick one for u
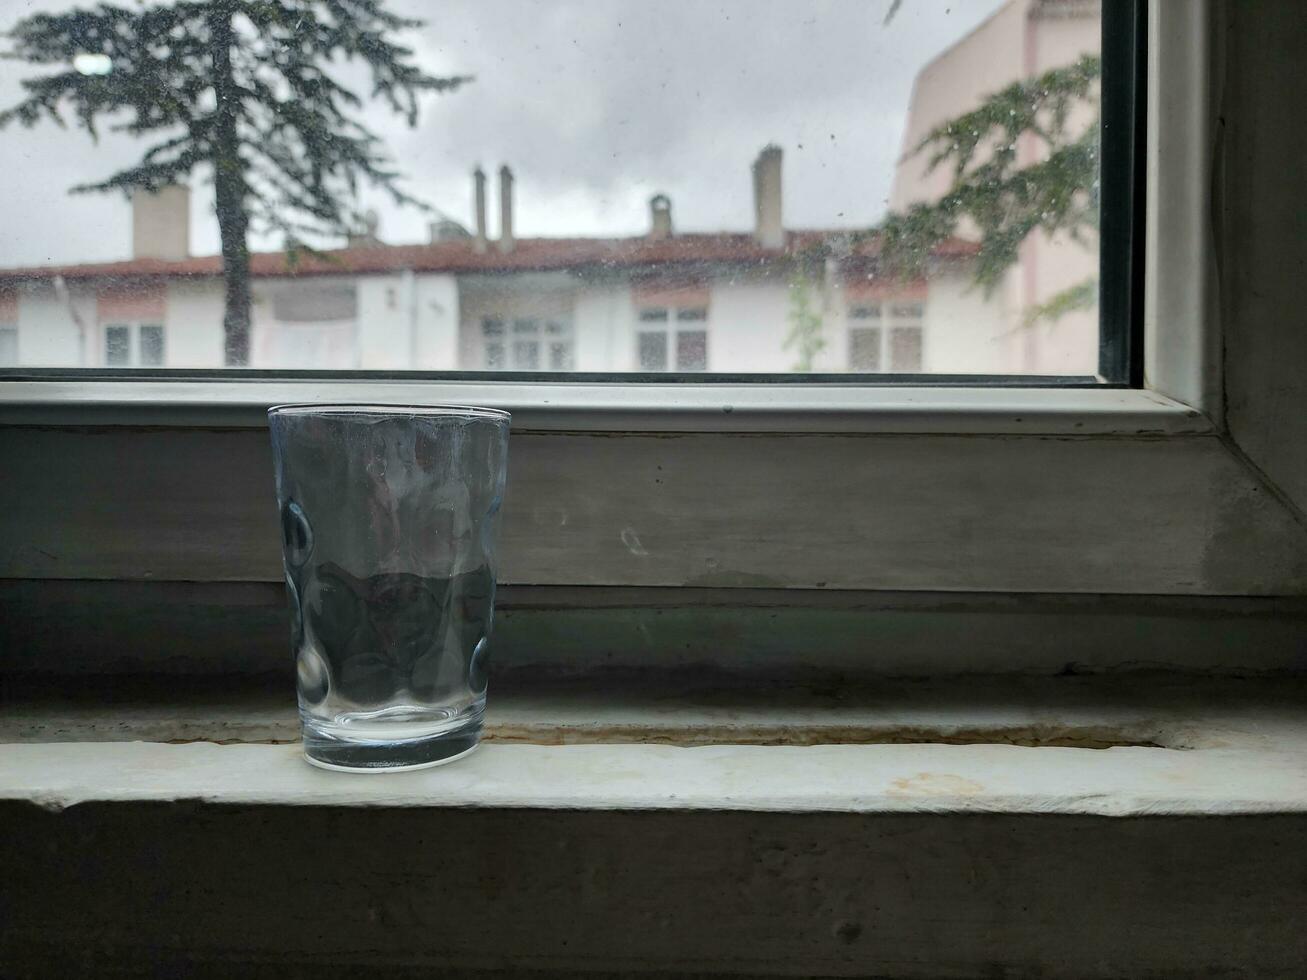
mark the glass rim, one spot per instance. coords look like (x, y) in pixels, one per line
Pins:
(383, 410)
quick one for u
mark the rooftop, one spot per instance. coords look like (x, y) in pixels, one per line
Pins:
(463, 256)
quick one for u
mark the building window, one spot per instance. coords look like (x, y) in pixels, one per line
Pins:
(525, 347)
(117, 345)
(691, 350)
(652, 350)
(664, 332)
(8, 345)
(492, 339)
(527, 344)
(133, 345)
(150, 344)
(864, 349)
(905, 350)
(558, 341)
(886, 338)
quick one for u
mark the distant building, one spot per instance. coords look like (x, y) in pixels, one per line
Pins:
(1022, 39)
(659, 302)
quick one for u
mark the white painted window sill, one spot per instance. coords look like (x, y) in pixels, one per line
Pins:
(221, 400)
(808, 779)
(1247, 755)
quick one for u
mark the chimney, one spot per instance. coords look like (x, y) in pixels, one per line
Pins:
(660, 217)
(505, 209)
(161, 223)
(366, 237)
(768, 226)
(479, 206)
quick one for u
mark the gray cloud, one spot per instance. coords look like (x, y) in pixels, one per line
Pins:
(596, 104)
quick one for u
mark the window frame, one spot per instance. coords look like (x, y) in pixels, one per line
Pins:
(669, 328)
(1170, 434)
(888, 320)
(135, 345)
(1124, 108)
(540, 334)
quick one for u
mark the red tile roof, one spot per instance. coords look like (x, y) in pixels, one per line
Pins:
(527, 255)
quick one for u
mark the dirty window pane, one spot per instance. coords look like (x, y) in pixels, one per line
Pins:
(905, 349)
(560, 357)
(864, 349)
(691, 350)
(117, 346)
(600, 177)
(653, 351)
(8, 346)
(526, 355)
(151, 338)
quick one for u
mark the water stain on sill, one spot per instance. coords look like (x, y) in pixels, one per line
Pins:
(808, 735)
(779, 737)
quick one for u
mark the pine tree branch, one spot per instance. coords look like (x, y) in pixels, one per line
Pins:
(1081, 296)
(989, 189)
(288, 107)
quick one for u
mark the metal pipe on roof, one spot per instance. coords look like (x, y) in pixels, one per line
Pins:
(505, 209)
(479, 206)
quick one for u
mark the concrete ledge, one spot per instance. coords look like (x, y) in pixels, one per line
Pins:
(794, 779)
(195, 889)
(1113, 746)
(703, 858)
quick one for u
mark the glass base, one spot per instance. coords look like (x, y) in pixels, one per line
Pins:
(329, 752)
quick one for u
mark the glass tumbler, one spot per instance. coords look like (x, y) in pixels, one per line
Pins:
(388, 519)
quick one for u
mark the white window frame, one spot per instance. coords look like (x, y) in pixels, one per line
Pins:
(842, 486)
(671, 329)
(540, 333)
(133, 328)
(887, 320)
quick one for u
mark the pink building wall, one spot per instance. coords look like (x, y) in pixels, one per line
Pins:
(1024, 38)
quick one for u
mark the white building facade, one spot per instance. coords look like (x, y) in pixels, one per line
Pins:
(721, 303)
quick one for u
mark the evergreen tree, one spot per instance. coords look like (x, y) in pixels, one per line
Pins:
(1003, 200)
(242, 88)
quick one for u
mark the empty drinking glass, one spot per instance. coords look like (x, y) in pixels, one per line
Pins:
(388, 518)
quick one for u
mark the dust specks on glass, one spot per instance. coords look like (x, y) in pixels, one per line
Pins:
(918, 193)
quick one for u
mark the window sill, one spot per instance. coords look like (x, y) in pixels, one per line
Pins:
(585, 406)
(1105, 746)
(906, 860)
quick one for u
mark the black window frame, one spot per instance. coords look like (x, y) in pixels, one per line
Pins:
(1122, 198)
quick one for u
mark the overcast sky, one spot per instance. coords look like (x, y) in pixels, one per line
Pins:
(595, 104)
